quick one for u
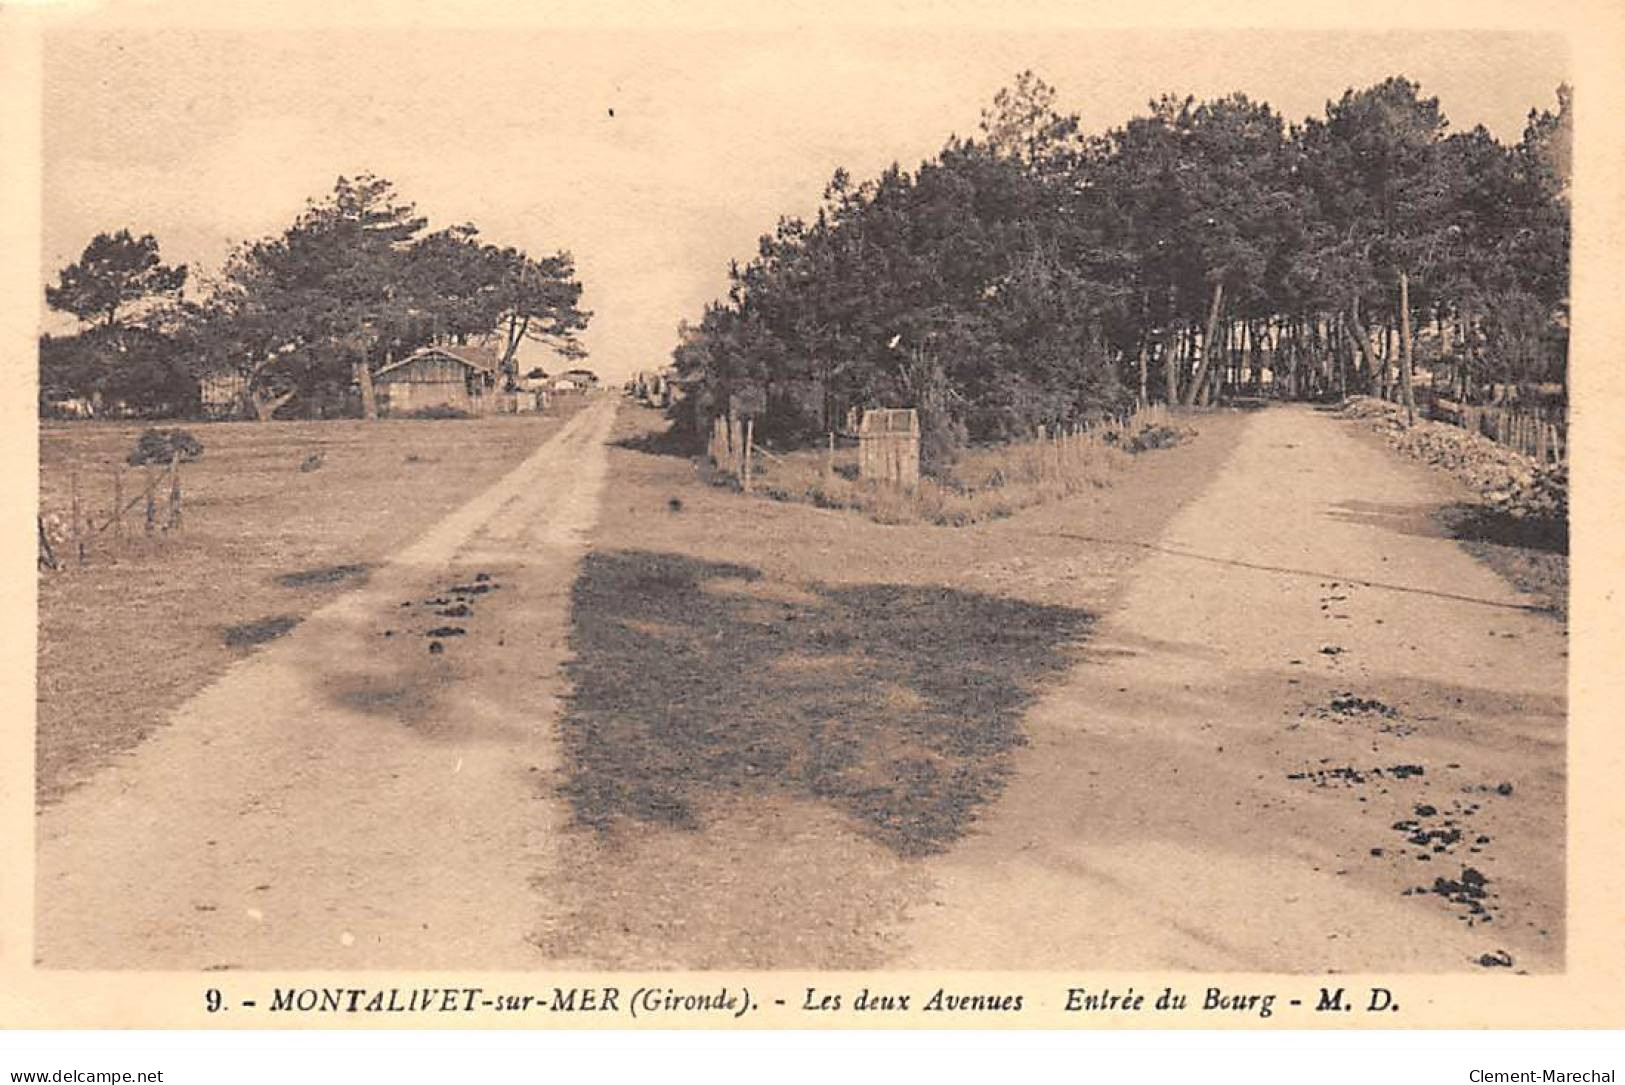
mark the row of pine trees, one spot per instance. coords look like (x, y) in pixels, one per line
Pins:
(1036, 274)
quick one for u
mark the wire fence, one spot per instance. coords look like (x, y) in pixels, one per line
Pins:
(102, 520)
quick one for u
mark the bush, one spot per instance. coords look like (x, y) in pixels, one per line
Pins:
(162, 445)
(439, 411)
(1153, 437)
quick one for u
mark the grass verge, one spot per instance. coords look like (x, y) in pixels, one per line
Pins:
(984, 483)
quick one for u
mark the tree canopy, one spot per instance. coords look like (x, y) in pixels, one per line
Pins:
(302, 316)
(1035, 274)
(355, 281)
(115, 272)
(126, 302)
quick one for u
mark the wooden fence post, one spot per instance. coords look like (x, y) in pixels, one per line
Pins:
(174, 491)
(829, 457)
(118, 505)
(750, 433)
(47, 557)
(78, 533)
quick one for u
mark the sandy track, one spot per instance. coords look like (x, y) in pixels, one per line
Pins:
(344, 798)
(1153, 821)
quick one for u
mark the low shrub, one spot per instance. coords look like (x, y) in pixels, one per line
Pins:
(162, 445)
(439, 411)
(1150, 438)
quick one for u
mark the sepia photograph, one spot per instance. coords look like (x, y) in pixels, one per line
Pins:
(802, 498)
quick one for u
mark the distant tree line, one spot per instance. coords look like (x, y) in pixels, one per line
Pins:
(1036, 274)
(301, 320)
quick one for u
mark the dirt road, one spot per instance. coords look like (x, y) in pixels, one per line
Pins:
(1310, 734)
(1315, 736)
(360, 793)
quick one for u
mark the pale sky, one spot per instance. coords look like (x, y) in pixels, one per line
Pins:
(205, 138)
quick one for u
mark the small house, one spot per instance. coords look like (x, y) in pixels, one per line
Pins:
(460, 377)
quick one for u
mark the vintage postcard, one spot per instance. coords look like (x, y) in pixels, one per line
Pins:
(908, 516)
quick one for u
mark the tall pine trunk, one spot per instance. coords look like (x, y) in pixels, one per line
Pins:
(369, 398)
(1389, 361)
(1198, 380)
(1406, 383)
(1172, 354)
(1362, 342)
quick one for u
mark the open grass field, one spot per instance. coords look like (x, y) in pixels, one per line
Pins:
(142, 625)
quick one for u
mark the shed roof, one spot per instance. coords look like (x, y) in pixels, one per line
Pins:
(484, 359)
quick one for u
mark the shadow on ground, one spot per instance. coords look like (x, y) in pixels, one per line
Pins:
(1404, 518)
(325, 574)
(258, 631)
(1478, 523)
(1464, 521)
(1533, 554)
(696, 681)
(662, 442)
(1530, 552)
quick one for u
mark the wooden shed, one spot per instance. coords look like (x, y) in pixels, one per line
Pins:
(223, 394)
(464, 378)
(889, 446)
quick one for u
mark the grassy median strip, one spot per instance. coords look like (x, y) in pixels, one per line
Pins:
(899, 704)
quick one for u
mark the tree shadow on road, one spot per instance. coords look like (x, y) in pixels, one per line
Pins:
(661, 442)
(1530, 552)
(1463, 521)
(1469, 522)
(1403, 517)
(695, 681)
